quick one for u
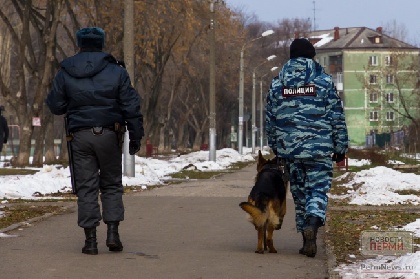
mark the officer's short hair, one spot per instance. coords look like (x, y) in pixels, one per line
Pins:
(91, 37)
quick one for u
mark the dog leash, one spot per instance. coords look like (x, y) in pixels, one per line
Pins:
(284, 169)
(283, 163)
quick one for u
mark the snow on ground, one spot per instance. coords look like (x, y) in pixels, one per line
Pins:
(148, 172)
(383, 267)
(358, 163)
(377, 186)
(374, 186)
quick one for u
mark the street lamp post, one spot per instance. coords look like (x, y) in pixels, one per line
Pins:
(129, 164)
(262, 108)
(241, 89)
(212, 97)
(254, 116)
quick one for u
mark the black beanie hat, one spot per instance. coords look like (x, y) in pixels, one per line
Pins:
(91, 37)
(302, 48)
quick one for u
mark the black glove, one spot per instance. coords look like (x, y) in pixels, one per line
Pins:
(133, 146)
(338, 157)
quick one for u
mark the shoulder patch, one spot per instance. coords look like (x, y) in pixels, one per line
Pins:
(307, 90)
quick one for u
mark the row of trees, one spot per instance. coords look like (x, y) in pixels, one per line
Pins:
(171, 65)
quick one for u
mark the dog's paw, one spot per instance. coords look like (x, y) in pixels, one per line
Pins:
(272, 251)
(259, 251)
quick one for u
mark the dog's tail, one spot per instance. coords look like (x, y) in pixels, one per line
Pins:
(258, 217)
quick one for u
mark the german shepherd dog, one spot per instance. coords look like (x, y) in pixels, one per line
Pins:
(266, 203)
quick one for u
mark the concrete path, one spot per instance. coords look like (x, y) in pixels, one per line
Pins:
(191, 230)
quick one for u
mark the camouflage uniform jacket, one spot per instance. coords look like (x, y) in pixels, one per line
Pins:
(304, 116)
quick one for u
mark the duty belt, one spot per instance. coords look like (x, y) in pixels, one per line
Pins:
(95, 130)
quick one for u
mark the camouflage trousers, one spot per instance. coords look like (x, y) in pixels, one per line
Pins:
(310, 181)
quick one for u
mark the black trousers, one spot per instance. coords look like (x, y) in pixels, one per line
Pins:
(97, 169)
(1, 140)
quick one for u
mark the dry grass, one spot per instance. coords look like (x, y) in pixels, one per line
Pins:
(345, 226)
(346, 222)
(21, 212)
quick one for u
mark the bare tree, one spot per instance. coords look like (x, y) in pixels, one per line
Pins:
(395, 86)
(171, 65)
(396, 30)
(32, 26)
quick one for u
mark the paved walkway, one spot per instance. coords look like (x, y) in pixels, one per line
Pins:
(191, 230)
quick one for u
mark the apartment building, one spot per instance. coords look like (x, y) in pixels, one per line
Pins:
(375, 75)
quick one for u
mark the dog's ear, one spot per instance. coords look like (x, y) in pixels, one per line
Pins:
(261, 160)
(260, 156)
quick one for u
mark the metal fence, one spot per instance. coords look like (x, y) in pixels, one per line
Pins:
(393, 139)
(11, 148)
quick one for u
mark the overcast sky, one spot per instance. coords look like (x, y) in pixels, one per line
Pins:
(341, 13)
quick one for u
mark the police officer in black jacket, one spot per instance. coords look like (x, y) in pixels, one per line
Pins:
(95, 93)
(4, 129)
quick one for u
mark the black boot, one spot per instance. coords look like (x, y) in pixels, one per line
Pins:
(304, 241)
(309, 233)
(91, 246)
(113, 238)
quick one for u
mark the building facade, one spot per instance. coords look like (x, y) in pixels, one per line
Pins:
(376, 76)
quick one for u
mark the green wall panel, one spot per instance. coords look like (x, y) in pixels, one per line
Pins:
(356, 122)
(354, 99)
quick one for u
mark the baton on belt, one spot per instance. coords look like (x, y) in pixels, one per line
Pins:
(69, 138)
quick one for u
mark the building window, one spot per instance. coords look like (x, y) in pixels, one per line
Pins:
(373, 97)
(388, 60)
(373, 116)
(389, 115)
(390, 97)
(372, 79)
(389, 79)
(339, 77)
(373, 60)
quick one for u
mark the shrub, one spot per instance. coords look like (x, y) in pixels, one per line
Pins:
(373, 154)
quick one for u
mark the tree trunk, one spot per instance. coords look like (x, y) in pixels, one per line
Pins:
(180, 136)
(197, 140)
(161, 146)
(64, 155)
(50, 156)
(38, 156)
(24, 144)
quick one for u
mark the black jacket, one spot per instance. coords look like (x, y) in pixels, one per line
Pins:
(93, 90)
(4, 130)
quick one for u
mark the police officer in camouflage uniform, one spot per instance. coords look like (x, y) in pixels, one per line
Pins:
(305, 125)
(94, 91)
